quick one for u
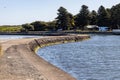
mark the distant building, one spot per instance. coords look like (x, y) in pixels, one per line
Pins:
(116, 31)
(103, 28)
(91, 27)
(59, 29)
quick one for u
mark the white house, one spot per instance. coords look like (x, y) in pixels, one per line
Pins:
(91, 27)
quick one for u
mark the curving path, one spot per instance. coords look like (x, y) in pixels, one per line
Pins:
(19, 61)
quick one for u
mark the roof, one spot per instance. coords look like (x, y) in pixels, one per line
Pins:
(103, 27)
(91, 26)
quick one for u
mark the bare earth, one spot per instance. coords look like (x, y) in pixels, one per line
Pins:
(19, 63)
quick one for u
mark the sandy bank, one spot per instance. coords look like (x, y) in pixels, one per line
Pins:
(19, 61)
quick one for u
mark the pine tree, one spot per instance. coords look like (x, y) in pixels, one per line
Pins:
(64, 19)
(103, 17)
(115, 16)
(83, 17)
(93, 18)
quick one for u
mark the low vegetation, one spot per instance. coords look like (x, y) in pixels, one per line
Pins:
(10, 28)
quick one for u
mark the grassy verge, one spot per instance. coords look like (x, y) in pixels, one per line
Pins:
(10, 28)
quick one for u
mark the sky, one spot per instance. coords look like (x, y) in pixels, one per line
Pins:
(17, 12)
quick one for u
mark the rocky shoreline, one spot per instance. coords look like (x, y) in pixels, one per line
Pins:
(19, 61)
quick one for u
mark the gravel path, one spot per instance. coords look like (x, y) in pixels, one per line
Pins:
(19, 63)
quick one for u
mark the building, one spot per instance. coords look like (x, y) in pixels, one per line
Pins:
(103, 28)
(91, 27)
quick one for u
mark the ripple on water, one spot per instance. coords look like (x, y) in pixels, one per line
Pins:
(94, 59)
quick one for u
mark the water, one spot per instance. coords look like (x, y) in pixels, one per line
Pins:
(17, 36)
(94, 59)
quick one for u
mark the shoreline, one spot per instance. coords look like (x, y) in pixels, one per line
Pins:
(20, 62)
(60, 33)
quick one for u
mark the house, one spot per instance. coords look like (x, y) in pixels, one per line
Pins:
(59, 29)
(91, 27)
(103, 28)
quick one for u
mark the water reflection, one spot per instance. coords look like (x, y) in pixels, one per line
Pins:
(94, 59)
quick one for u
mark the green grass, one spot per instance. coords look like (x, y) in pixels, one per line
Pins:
(10, 28)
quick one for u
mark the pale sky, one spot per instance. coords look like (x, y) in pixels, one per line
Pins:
(15, 12)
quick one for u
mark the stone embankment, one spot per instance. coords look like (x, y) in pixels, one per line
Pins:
(19, 61)
(38, 43)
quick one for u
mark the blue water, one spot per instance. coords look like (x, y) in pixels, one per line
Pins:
(95, 59)
(17, 36)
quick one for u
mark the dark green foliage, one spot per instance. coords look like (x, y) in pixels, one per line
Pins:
(103, 17)
(64, 19)
(39, 25)
(115, 16)
(27, 27)
(93, 18)
(83, 17)
(51, 25)
(71, 21)
(44, 26)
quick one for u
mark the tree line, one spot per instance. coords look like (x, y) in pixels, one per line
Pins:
(109, 17)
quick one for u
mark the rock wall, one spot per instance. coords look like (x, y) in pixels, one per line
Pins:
(38, 43)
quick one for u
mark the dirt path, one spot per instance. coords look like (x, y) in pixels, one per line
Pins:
(19, 63)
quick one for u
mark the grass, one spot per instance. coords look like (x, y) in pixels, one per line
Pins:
(10, 28)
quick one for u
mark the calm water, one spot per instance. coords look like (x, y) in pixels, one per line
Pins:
(94, 59)
(16, 36)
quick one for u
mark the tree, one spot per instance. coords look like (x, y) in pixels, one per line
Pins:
(93, 18)
(115, 16)
(39, 25)
(64, 19)
(72, 22)
(51, 25)
(83, 17)
(27, 27)
(103, 17)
